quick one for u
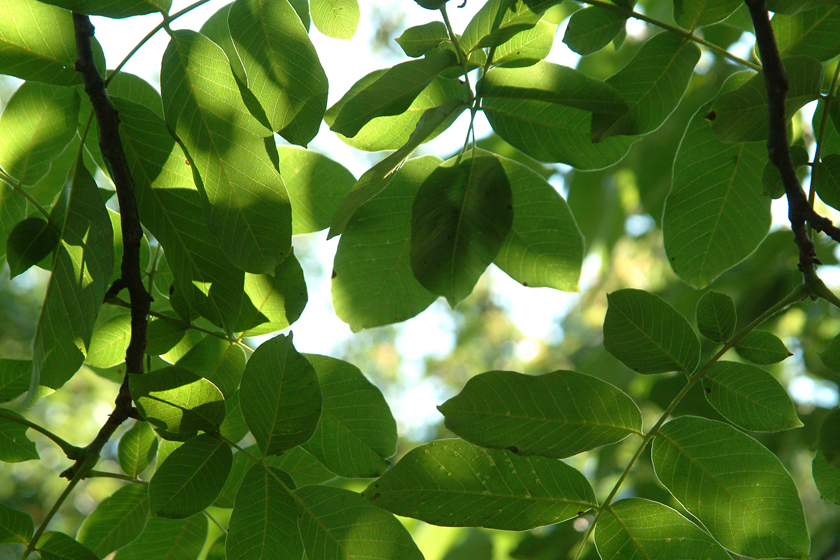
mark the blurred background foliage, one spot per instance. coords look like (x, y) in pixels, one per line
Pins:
(619, 211)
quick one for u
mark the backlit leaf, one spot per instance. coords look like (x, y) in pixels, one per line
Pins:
(57, 546)
(15, 447)
(812, 33)
(272, 303)
(826, 179)
(762, 347)
(416, 41)
(592, 28)
(827, 478)
(830, 356)
(499, 20)
(456, 484)
(137, 449)
(280, 396)
(460, 219)
(356, 432)
(716, 317)
(29, 242)
(113, 8)
(217, 360)
(109, 342)
(557, 414)
(15, 526)
(335, 18)
(116, 521)
(691, 14)
(14, 378)
(526, 48)
(647, 334)
(736, 487)
(162, 335)
(167, 538)
(134, 88)
(829, 442)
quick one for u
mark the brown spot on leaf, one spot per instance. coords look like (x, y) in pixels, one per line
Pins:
(708, 390)
(711, 116)
(512, 448)
(187, 162)
(333, 274)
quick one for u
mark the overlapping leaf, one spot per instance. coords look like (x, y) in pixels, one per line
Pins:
(137, 449)
(15, 447)
(37, 123)
(691, 14)
(38, 42)
(283, 69)
(247, 204)
(109, 342)
(337, 524)
(272, 303)
(456, 484)
(57, 546)
(592, 28)
(14, 378)
(167, 538)
(356, 432)
(416, 41)
(526, 48)
(814, 33)
(715, 215)
(638, 527)
(716, 317)
(15, 526)
(264, 522)
(113, 8)
(163, 334)
(736, 487)
(557, 414)
(827, 478)
(29, 242)
(647, 334)
(826, 179)
(116, 521)
(82, 269)
(461, 217)
(829, 441)
(499, 20)
(336, 18)
(134, 88)
(280, 396)
(217, 360)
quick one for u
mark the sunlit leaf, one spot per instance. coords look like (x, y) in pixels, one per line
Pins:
(749, 397)
(647, 334)
(337, 524)
(377, 239)
(167, 538)
(272, 303)
(283, 69)
(14, 378)
(137, 449)
(456, 484)
(557, 414)
(280, 396)
(592, 28)
(716, 317)
(113, 8)
(460, 219)
(247, 205)
(335, 18)
(356, 432)
(109, 342)
(641, 528)
(190, 478)
(264, 522)
(814, 33)
(116, 521)
(15, 447)
(499, 20)
(526, 48)
(762, 347)
(57, 546)
(416, 41)
(30, 241)
(37, 123)
(15, 526)
(216, 360)
(217, 30)
(134, 88)
(162, 335)
(178, 401)
(736, 487)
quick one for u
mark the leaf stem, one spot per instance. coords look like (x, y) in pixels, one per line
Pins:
(627, 12)
(798, 294)
(71, 451)
(118, 476)
(21, 190)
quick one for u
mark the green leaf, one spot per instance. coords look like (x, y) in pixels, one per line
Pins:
(113, 8)
(499, 20)
(38, 122)
(558, 414)
(178, 401)
(280, 396)
(29, 242)
(553, 133)
(648, 335)
(109, 342)
(814, 33)
(14, 378)
(356, 432)
(81, 272)
(741, 115)
(416, 41)
(15, 526)
(829, 442)
(456, 484)
(283, 69)
(337, 524)
(391, 93)
(234, 427)
(217, 30)
(116, 521)
(716, 317)
(272, 303)
(831, 355)
(162, 335)
(762, 347)
(826, 179)
(317, 185)
(544, 247)
(167, 538)
(58, 546)
(795, 6)
(691, 14)
(592, 28)
(247, 204)
(375, 179)
(526, 48)
(217, 360)
(135, 89)
(636, 527)
(264, 522)
(771, 179)
(165, 448)
(38, 42)
(652, 84)
(736, 487)
(704, 240)
(190, 478)
(15, 447)
(827, 478)
(171, 207)
(553, 83)
(137, 449)
(372, 283)
(336, 18)
(749, 397)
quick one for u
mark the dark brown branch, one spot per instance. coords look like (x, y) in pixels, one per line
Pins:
(130, 273)
(800, 211)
